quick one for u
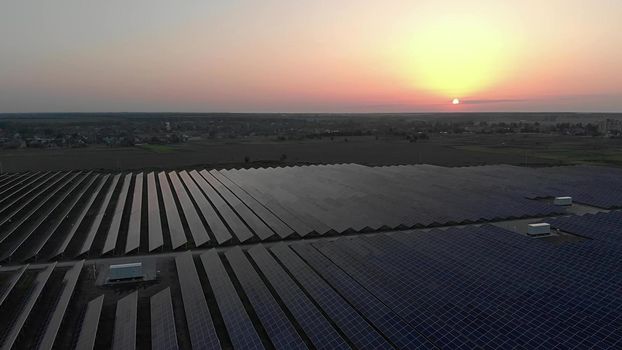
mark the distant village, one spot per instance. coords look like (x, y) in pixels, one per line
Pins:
(127, 132)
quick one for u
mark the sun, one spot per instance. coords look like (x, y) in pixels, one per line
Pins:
(455, 101)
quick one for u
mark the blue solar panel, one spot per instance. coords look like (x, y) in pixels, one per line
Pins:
(198, 317)
(353, 325)
(398, 331)
(280, 330)
(238, 324)
(316, 327)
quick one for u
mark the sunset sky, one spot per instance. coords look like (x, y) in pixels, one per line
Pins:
(310, 56)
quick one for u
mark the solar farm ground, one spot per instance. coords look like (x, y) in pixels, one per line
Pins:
(341, 256)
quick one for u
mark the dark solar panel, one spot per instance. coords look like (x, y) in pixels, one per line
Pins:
(78, 221)
(117, 215)
(199, 234)
(52, 230)
(90, 235)
(238, 324)
(280, 330)
(6, 289)
(70, 281)
(124, 337)
(198, 317)
(27, 305)
(178, 237)
(220, 231)
(398, 331)
(90, 324)
(255, 223)
(37, 215)
(353, 325)
(267, 216)
(156, 239)
(133, 231)
(163, 332)
(316, 327)
(237, 226)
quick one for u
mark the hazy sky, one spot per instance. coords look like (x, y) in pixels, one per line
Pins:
(310, 55)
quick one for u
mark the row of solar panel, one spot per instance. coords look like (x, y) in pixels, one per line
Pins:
(473, 287)
(605, 226)
(50, 215)
(47, 215)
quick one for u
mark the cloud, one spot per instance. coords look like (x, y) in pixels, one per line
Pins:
(487, 101)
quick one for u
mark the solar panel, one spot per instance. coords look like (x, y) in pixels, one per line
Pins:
(220, 231)
(267, 216)
(11, 208)
(69, 282)
(15, 220)
(13, 281)
(199, 234)
(16, 186)
(198, 318)
(178, 237)
(32, 221)
(247, 184)
(78, 221)
(353, 325)
(255, 223)
(51, 230)
(133, 230)
(156, 239)
(238, 324)
(9, 340)
(90, 324)
(280, 330)
(117, 215)
(90, 236)
(124, 337)
(317, 328)
(237, 226)
(163, 332)
(388, 322)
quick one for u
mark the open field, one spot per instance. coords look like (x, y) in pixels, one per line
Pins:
(362, 150)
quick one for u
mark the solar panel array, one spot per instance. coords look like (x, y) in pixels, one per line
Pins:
(469, 287)
(64, 216)
(477, 286)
